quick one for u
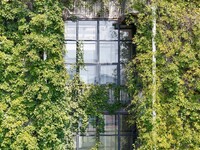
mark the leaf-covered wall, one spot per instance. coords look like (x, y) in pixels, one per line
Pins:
(33, 93)
(177, 104)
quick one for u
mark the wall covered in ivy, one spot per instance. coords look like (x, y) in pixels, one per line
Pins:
(171, 120)
(38, 110)
(33, 93)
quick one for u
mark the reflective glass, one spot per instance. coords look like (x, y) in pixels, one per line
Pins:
(126, 34)
(111, 126)
(108, 52)
(124, 125)
(86, 142)
(126, 142)
(125, 51)
(89, 74)
(108, 74)
(87, 30)
(111, 96)
(108, 31)
(123, 77)
(124, 97)
(70, 30)
(70, 56)
(108, 143)
(90, 52)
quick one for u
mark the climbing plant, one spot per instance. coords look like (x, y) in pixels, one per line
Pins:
(177, 75)
(40, 107)
(90, 101)
(34, 110)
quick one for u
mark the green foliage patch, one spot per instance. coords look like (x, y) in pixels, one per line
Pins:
(177, 75)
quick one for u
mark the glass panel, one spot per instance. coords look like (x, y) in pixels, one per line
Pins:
(111, 96)
(108, 52)
(70, 30)
(75, 139)
(123, 77)
(108, 74)
(126, 142)
(124, 97)
(71, 70)
(107, 30)
(86, 142)
(126, 34)
(89, 74)
(108, 143)
(125, 51)
(70, 56)
(90, 52)
(87, 30)
(124, 125)
(111, 126)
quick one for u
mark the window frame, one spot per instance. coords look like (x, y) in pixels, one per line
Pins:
(97, 41)
(118, 134)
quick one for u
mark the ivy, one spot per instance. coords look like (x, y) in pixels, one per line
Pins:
(177, 98)
(38, 109)
(33, 94)
(90, 101)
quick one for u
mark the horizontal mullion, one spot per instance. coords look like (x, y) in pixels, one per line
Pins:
(125, 28)
(108, 40)
(103, 64)
(131, 134)
(94, 19)
(125, 40)
(95, 40)
(69, 41)
(98, 40)
(84, 64)
(93, 63)
(122, 63)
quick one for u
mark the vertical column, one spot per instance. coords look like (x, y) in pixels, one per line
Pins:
(77, 49)
(118, 83)
(77, 25)
(98, 55)
(118, 64)
(118, 133)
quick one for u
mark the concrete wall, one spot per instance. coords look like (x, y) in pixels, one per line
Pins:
(88, 9)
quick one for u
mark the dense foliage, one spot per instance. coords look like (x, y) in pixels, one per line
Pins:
(33, 94)
(177, 105)
(41, 109)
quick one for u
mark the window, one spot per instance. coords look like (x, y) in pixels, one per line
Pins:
(107, 48)
(118, 135)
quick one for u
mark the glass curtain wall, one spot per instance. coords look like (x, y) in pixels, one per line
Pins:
(107, 48)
